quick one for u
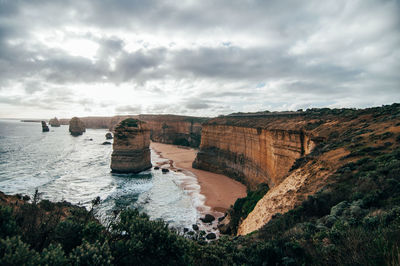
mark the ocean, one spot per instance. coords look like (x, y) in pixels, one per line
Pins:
(77, 170)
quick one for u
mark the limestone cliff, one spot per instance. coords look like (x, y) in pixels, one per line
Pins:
(296, 153)
(76, 127)
(170, 129)
(131, 152)
(262, 152)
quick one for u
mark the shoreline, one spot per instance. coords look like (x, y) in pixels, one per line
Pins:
(219, 190)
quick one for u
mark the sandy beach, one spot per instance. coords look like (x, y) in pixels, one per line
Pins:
(220, 191)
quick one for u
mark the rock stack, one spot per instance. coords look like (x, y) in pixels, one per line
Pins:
(76, 126)
(54, 122)
(131, 153)
(109, 135)
(45, 128)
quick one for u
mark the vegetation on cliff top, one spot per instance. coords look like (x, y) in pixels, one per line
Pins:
(129, 122)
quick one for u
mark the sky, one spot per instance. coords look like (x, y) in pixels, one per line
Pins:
(203, 58)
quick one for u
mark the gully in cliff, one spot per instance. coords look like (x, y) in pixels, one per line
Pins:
(76, 126)
(131, 153)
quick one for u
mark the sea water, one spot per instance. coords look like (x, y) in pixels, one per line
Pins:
(77, 170)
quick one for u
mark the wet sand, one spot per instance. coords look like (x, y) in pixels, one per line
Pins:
(220, 191)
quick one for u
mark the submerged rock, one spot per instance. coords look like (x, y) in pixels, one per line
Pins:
(131, 152)
(164, 170)
(195, 227)
(54, 122)
(45, 128)
(106, 143)
(76, 126)
(109, 135)
(156, 168)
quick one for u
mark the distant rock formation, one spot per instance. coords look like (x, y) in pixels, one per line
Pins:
(54, 122)
(131, 153)
(45, 128)
(109, 135)
(76, 126)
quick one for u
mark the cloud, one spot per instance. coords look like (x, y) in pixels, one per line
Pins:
(198, 57)
(128, 109)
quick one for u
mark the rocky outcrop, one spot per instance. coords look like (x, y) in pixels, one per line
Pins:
(131, 152)
(54, 122)
(253, 154)
(45, 128)
(76, 127)
(109, 135)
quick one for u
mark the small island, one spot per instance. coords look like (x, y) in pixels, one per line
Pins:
(131, 152)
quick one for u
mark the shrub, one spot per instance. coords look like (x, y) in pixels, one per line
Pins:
(15, 252)
(91, 254)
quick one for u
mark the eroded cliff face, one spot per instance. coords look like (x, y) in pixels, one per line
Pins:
(252, 155)
(169, 129)
(131, 152)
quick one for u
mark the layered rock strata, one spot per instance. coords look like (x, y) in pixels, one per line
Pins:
(76, 126)
(54, 122)
(169, 129)
(252, 154)
(131, 152)
(45, 128)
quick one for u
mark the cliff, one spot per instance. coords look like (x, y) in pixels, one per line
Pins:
(76, 127)
(253, 150)
(169, 129)
(296, 153)
(131, 152)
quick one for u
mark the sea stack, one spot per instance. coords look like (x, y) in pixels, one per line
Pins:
(76, 126)
(45, 128)
(54, 122)
(131, 152)
(109, 135)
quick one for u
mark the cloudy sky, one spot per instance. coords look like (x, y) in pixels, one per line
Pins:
(207, 57)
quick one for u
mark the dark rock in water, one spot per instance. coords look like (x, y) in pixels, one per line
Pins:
(185, 229)
(54, 122)
(45, 128)
(164, 170)
(106, 143)
(195, 227)
(208, 218)
(76, 126)
(90, 139)
(131, 152)
(190, 233)
(211, 236)
(156, 168)
(109, 135)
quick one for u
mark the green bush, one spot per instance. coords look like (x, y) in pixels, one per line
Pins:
(91, 254)
(13, 251)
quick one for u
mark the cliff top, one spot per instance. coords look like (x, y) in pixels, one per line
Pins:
(132, 123)
(308, 120)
